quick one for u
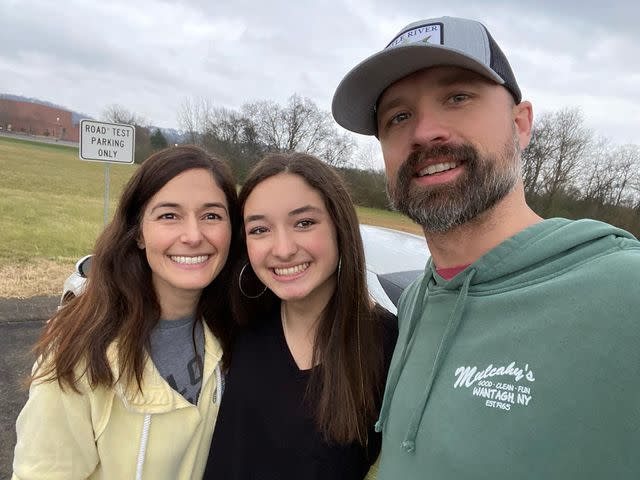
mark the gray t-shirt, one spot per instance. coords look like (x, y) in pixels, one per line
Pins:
(173, 354)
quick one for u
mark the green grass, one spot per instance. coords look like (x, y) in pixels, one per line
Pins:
(51, 202)
(385, 218)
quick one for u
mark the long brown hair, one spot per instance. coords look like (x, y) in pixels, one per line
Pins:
(348, 343)
(119, 301)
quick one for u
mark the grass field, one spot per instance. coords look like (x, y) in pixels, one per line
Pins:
(385, 218)
(51, 212)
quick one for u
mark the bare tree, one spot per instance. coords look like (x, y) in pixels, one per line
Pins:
(194, 117)
(118, 114)
(634, 185)
(598, 176)
(227, 125)
(611, 174)
(568, 144)
(224, 132)
(368, 157)
(625, 162)
(541, 147)
(299, 126)
(232, 136)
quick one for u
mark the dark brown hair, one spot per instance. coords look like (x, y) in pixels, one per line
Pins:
(119, 302)
(348, 345)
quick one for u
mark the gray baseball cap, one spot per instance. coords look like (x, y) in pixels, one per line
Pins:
(445, 41)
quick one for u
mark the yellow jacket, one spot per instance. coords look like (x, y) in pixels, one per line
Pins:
(118, 434)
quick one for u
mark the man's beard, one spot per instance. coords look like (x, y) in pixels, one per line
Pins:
(440, 208)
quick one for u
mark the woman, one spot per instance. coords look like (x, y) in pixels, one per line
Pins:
(308, 370)
(127, 382)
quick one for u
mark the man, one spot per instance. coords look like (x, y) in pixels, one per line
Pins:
(519, 348)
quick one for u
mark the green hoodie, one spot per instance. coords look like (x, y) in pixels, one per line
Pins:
(523, 366)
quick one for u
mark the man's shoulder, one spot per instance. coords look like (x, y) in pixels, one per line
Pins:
(610, 280)
(597, 248)
(622, 260)
(409, 297)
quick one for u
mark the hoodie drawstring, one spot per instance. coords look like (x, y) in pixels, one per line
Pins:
(144, 437)
(218, 391)
(394, 375)
(409, 442)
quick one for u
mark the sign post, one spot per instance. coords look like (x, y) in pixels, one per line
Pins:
(106, 194)
(109, 143)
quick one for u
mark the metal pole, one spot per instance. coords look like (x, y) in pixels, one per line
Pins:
(106, 193)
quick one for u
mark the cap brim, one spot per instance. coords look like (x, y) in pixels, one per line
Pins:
(354, 102)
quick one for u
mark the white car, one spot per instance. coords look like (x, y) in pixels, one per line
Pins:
(74, 284)
(393, 260)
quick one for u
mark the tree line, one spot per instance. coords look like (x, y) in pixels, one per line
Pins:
(243, 136)
(568, 171)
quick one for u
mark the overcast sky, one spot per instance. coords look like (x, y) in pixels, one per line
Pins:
(148, 55)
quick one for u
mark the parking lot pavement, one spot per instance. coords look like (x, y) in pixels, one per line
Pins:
(20, 324)
(34, 308)
(16, 339)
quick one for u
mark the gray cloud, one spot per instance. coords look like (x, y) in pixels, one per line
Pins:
(150, 55)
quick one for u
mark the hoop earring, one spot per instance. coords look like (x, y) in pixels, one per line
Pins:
(242, 289)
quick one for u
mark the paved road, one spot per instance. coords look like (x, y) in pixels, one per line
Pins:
(16, 339)
(34, 308)
(41, 139)
(20, 325)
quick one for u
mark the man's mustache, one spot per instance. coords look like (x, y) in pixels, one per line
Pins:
(452, 152)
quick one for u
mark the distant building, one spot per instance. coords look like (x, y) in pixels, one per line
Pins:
(37, 119)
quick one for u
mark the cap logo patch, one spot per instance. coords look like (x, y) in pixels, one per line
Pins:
(430, 33)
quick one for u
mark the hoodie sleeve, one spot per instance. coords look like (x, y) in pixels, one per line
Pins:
(55, 437)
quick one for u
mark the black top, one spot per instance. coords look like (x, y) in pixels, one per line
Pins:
(265, 429)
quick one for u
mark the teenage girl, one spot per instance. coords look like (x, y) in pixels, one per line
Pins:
(308, 369)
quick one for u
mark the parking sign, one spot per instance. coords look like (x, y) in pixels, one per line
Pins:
(107, 142)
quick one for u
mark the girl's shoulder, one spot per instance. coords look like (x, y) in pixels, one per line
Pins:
(388, 320)
(389, 323)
